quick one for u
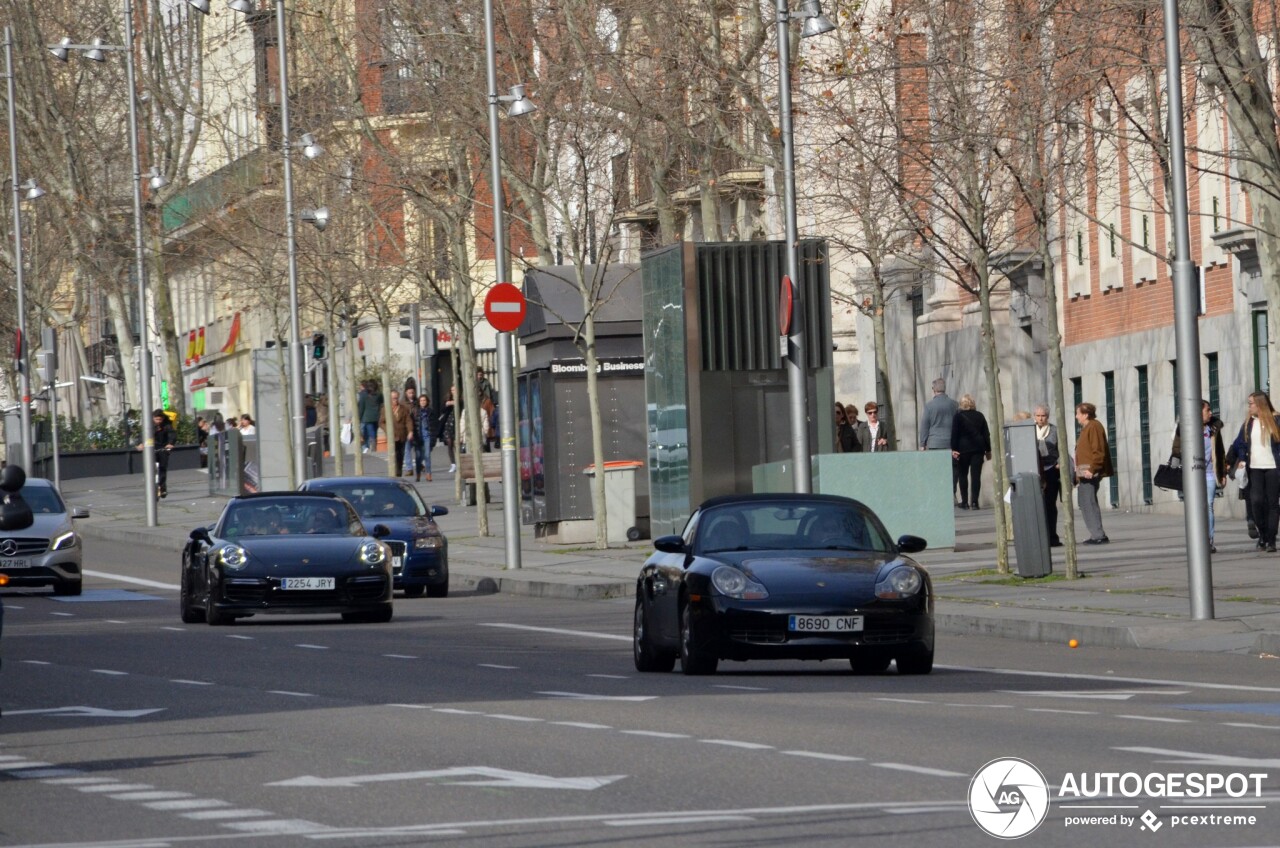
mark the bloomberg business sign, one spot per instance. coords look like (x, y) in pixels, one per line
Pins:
(623, 365)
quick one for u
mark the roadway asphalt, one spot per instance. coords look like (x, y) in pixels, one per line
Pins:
(1133, 592)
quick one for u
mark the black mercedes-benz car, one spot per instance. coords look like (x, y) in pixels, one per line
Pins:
(419, 551)
(783, 576)
(286, 552)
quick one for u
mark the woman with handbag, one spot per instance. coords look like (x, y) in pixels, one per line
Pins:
(1258, 447)
(1215, 470)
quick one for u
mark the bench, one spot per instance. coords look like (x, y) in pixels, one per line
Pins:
(490, 469)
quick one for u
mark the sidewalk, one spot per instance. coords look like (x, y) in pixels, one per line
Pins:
(1133, 592)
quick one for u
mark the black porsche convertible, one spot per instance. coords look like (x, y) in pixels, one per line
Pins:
(783, 576)
(286, 552)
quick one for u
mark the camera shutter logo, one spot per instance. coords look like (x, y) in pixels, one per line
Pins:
(1008, 798)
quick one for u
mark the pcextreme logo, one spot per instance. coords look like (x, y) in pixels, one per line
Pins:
(1008, 798)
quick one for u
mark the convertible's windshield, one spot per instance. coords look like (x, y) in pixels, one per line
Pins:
(290, 516)
(790, 526)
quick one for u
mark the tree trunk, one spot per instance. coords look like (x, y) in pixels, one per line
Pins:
(388, 411)
(166, 328)
(882, 352)
(991, 362)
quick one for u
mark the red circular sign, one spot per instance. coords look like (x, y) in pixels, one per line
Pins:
(504, 307)
(784, 307)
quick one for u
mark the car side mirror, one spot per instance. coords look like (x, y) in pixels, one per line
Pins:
(201, 534)
(670, 544)
(381, 531)
(439, 510)
(911, 544)
(79, 512)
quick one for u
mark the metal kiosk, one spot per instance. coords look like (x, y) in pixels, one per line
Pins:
(1030, 532)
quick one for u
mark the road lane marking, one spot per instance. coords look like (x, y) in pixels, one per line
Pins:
(586, 696)
(1250, 726)
(506, 717)
(108, 671)
(189, 804)
(456, 711)
(740, 688)
(150, 795)
(668, 820)
(115, 621)
(137, 581)
(115, 787)
(80, 781)
(36, 662)
(1156, 718)
(64, 614)
(237, 636)
(1064, 712)
(236, 813)
(400, 656)
(290, 694)
(921, 770)
(585, 725)
(818, 755)
(177, 629)
(610, 676)
(657, 734)
(733, 743)
(562, 632)
(1148, 681)
(499, 667)
(903, 700)
(458, 776)
(411, 706)
(983, 706)
(313, 647)
(192, 682)
(277, 827)
(1197, 758)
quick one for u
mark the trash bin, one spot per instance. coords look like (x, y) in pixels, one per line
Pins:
(620, 499)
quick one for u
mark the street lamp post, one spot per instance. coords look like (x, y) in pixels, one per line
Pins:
(33, 191)
(95, 52)
(815, 23)
(506, 341)
(1195, 489)
(298, 423)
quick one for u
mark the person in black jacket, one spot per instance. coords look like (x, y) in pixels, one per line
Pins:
(165, 438)
(970, 447)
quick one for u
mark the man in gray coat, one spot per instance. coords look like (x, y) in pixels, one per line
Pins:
(935, 425)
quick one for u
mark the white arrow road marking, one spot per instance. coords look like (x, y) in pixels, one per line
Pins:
(87, 712)
(489, 777)
(1203, 759)
(1093, 694)
(583, 696)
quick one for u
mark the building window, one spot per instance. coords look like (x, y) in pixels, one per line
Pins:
(1261, 375)
(1216, 216)
(1109, 389)
(1111, 239)
(1080, 246)
(1144, 429)
(1077, 398)
(1146, 231)
(1212, 361)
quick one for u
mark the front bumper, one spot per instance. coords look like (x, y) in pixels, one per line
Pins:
(732, 632)
(45, 568)
(420, 567)
(240, 595)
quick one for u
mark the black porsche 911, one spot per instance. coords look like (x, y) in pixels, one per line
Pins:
(286, 552)
(784, 576)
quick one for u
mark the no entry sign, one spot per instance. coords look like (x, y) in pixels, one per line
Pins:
(504, 307)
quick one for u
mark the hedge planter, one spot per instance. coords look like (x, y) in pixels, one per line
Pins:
(74, 465)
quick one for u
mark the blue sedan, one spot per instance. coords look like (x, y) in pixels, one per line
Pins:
(419, 551)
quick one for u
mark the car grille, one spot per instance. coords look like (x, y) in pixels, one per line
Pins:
(26, 547)
(775, 637)
(398, 550)
(887, 635)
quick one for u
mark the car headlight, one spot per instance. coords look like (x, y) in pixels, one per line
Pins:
(733, 583)
(902, 582)
(373, 553)
(428, 543)
(233, 557)
(66, 540)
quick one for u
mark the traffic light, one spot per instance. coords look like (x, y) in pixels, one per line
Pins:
(317, 346)
(409, 320)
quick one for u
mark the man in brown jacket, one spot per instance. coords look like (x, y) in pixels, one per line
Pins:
(400, 422)
(1093, 463)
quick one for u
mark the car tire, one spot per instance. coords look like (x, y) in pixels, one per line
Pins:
(693, 660)
(438, 590)
(414, 591)
(916, 663)
(868, 665)
(191, 614)
(68, 587)
(214, 616)
(647, 657)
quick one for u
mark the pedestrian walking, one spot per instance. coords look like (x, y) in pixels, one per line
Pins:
(1093, 465)
(970, 447)
(164, 437)
(935, 425)
(1258, 449)
(369, 413)
(1050, 472)
(1215, 469)
(424, 440)
(874, 435)
(400, 421)
(846, 436)
(448, 429)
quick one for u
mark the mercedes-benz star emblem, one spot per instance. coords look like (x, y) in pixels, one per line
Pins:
(8, 547)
